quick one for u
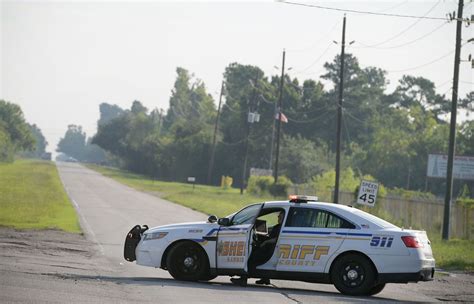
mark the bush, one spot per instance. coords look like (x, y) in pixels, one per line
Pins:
(281, 187)
(259, 185)
(466, 202)
(262, 185)
(411, 194)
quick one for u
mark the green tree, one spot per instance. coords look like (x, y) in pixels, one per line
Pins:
(301, 159)
(188, 129)
(40, 143)
(108, 112)
(73, 143)
(15, 134)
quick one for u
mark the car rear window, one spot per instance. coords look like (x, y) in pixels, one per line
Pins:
(373, 219)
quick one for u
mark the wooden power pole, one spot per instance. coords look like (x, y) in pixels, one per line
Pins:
(452, 131)
(339, 115)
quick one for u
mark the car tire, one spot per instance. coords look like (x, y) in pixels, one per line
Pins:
(377, 289)
(353, 274)
(187, 261)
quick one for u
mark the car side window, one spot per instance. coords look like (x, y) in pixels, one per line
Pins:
(315, 218)
(246, 215)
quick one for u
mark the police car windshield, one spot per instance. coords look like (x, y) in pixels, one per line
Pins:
(373, 219)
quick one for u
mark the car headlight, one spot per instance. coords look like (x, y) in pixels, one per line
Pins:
(154, 236)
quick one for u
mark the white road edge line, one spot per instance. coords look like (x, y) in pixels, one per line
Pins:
(87, 228)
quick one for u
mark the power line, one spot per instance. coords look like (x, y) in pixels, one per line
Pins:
(406, 43)
(265, 100)
(317, 59)
(360, 12)
(233, 110)
(318, 41)
(392, 7)
(406, 29)
(311, 111)
(263, 135)
(447, 91)
(444, 83)
(344, 122)
(308, 120)
(353, 117)
(422, 65)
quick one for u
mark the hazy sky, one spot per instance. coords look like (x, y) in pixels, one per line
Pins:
(60, 60)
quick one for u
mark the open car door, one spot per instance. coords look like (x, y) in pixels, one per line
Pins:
(234, 241)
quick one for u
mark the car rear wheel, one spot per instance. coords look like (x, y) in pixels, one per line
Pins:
(187, 261)
(353, 274)
(377, 289)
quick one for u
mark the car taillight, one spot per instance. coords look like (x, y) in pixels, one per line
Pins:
(412, 242)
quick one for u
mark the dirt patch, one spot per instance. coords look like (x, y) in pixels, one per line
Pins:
(450, 287)
(53, 266)
(44, 251)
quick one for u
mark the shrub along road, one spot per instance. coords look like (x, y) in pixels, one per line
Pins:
(58, 267)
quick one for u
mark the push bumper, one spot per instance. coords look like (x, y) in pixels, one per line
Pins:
(425, 274)
(131, 241)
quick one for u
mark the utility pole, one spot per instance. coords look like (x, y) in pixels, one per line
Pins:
(339, 115)
(273, 138)
(249, 123)
(452, 131)
(213, 151)
(280, 97)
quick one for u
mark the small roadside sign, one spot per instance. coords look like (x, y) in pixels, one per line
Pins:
(367, 193)
(192, 179)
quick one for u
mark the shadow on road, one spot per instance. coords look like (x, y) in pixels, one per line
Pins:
(164, 282)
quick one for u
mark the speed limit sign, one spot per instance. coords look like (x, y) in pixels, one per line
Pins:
(367, 193)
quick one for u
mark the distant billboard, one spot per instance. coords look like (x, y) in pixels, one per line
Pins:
(463, 167)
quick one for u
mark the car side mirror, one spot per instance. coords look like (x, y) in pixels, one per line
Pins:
(212, 219)
(224, 221)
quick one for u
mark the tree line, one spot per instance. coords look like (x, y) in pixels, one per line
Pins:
(18, 137)
(385, 135)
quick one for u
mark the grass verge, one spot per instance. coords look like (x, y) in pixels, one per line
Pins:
(451, 255)
(32, 197)
(454, 254)
(206, 199)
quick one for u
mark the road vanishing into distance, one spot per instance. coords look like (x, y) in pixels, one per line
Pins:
(108, 210)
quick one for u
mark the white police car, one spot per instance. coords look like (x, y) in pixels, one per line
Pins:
(316, 242)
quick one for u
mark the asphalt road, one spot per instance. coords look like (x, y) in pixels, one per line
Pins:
(108, 210)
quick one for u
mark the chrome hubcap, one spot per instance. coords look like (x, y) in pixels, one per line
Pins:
(352, 274)
(188, 262)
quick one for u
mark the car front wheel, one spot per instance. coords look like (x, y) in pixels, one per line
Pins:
(187, 261)
(353, 274)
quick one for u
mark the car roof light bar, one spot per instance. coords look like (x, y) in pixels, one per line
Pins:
(302, 198)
